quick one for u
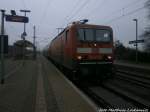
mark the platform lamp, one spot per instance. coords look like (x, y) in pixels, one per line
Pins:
(136, 44)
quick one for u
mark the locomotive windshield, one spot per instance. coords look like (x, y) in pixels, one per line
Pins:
(103, 35)
(100, 35)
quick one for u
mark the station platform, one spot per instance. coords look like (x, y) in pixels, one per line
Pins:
(38, 86)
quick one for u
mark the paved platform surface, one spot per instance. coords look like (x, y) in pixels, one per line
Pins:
(38, 86)
(11, 65)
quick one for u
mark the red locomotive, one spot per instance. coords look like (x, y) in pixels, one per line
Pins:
(85, 49)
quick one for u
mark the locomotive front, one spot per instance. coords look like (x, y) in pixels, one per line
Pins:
(94, 51)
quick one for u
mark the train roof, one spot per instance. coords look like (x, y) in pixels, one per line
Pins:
(82, 25)
(91, 25)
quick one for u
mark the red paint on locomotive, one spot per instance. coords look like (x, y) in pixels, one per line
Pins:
(70, 51)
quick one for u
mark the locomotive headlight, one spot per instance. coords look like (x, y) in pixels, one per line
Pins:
(79, 57)
(109, 57)
(95, 45)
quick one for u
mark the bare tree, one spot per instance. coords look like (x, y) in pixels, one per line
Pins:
(146, 34)
(147, 4)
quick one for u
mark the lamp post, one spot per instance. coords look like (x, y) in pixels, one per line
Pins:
(34, 48)
(136, 44)
(2, 47)
(25, 12)
(24, 33)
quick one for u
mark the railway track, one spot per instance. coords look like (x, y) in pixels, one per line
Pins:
(138, 102)
(125, 96)
(140, 77)
(135, 70)
(109, 98)
(134, 80)
(100, 102)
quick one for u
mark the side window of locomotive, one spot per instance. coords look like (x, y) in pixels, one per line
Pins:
(67, 35)
(103, 35)
(80, 34)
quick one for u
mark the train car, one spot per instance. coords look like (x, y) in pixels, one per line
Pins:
(85, 49)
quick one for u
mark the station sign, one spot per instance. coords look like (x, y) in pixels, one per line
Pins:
(138, 41)
(5, 40)
(15, 18)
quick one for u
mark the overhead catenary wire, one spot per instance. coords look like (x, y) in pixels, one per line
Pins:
(92, 11)
(74, 11)
(127, 6)
(70, 16)
(77, 11)
(129, 13)
(123, 9)
(67, 16)
(44, 14)
(103, 2)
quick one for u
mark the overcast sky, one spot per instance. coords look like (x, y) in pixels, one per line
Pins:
(47, 15)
